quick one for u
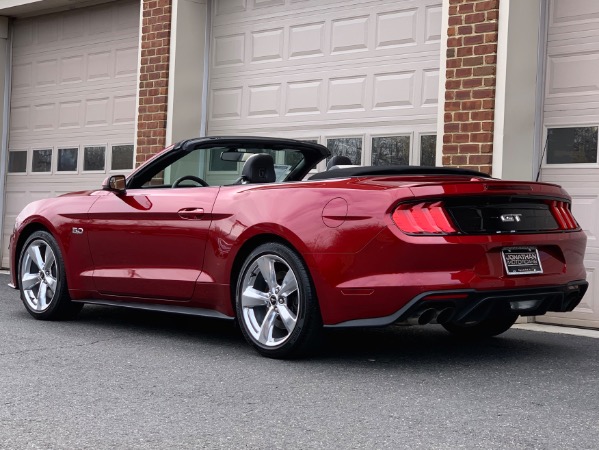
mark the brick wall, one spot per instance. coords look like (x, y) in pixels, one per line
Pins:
(153, 80)
(470, 85)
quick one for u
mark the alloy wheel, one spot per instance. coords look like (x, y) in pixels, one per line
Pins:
(39, 275)
(270, 300)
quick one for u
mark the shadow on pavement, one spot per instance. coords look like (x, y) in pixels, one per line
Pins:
(395, 345)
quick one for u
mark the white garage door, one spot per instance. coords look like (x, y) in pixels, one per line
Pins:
(359, 76)
(571, 125)
(73, 103)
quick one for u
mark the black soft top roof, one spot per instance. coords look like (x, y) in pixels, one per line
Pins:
(366, 171)
(320, 151)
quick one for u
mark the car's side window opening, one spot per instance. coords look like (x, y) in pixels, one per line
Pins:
(209, 165)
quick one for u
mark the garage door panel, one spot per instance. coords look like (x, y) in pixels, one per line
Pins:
(51, 118)
(229, 60)
(331, 66)
(67, 70)
(406, 91)
(587, 312)
(572, 74)
(583, 186)
(585, 208)
(30, 45)
(572, 100)
(579, 105)
(330, 71)
(346, 36)
(241, 11)
(59, 93)
(73, 86)
(566, 13)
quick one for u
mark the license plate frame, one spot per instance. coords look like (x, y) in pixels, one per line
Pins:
(521, 261)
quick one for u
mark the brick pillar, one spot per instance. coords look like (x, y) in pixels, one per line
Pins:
(153, 78)
(470, 85)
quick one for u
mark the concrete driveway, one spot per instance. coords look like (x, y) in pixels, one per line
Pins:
(123, 379)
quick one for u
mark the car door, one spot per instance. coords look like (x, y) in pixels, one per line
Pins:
(149, 243)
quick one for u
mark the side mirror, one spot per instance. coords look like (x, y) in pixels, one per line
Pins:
(115, 183)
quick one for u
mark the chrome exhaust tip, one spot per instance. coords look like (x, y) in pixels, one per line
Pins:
(423, 317)
(444, 315)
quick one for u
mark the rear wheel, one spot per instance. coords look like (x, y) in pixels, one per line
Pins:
(276, 304)
(489, 327)
(42, 279)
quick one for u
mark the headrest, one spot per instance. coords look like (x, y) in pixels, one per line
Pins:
(259, 168)
(339, 160)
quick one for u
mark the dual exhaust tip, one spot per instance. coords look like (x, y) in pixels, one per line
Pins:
(432, 315)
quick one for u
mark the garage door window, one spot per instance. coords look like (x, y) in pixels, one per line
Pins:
(346, 146)
(17, 161)
(390, 150)
(573, 145)
(428, 149)
(67, 159)
(41, 160)
(94, 158)
(122, 157)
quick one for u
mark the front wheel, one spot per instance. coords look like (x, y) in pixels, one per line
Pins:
(42, 279)
(276, 303)
(489, 327)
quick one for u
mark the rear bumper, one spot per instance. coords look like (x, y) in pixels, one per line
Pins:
(394, 269)
(470, 306)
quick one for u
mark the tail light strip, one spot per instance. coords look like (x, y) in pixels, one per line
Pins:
(423, 218)
(430, 218)
(563, 216)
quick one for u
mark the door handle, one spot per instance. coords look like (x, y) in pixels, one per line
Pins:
(191, 213)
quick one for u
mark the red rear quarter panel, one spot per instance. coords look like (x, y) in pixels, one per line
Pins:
(294, 213)
(362, 265)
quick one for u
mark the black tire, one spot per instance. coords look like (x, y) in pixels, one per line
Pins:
(305, 332)
(57, 304)
(489, 327)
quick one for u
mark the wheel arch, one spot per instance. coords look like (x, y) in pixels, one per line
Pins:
(24, 234)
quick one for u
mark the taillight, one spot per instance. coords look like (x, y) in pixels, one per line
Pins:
(423, 218)
(563, 216)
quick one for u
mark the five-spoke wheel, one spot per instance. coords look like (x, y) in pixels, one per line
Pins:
(269, 300)
(38, 275)
(42, 279)
(275, 301)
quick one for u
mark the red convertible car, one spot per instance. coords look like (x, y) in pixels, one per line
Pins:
(230, 228)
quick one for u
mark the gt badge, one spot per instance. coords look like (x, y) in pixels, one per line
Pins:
(77, 230)
(511, 217)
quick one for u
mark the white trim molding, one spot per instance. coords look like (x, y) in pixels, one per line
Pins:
(514, 135)
(442, 80)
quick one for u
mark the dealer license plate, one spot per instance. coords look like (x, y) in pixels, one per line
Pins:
(521, 261)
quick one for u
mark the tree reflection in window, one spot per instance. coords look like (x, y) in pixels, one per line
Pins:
(428, 150)
(350, 147)
(67, 159)
(42, 160)
(574, 145)
(94, 158)
(390, 151)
